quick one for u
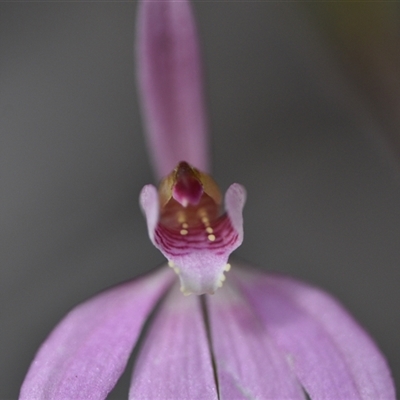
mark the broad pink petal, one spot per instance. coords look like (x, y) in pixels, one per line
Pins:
(331, 355)
(175, 362)
(199, 257)
(87, 352)
(249, 365)
(170, 83)
(366, 363)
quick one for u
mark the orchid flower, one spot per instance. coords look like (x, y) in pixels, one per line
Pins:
(261, 335)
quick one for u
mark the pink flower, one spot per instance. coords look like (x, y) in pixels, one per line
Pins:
(261, 336)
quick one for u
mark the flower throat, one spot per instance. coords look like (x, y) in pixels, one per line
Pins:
(190, 201)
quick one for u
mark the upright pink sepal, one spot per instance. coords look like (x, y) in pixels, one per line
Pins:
(175, 362)
(170, 83)
(87, 352)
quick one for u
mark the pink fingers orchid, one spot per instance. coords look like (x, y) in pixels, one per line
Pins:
(246, 335)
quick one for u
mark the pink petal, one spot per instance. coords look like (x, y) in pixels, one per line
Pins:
(150, 206)
(170, 82)
(199, 258)
(235, 198)
(87, 352)
(175, 362)
(368, 366)
(331, 355)
(249, 365)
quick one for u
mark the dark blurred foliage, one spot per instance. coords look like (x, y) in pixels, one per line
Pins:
(365, 38)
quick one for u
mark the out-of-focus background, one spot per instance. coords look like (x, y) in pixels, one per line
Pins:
(304, 106)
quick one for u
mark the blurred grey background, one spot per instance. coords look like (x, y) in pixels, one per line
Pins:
(304, 108)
